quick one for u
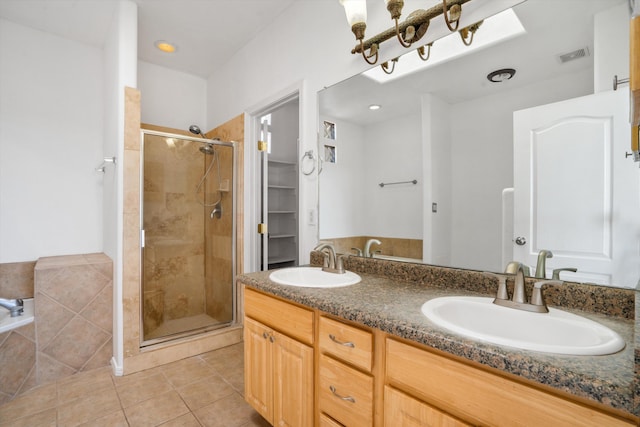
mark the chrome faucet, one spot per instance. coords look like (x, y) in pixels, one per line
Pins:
(367, 247)
(15, 306)
(332, 263)
(541, 268)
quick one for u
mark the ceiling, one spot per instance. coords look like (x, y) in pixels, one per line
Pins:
(550, 31)
(207, 32)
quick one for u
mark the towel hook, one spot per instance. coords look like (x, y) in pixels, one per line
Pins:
(308, 154)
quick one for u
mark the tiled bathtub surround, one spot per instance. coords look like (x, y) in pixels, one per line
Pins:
(17, 361)
(73, 323)
(391, 294)
(405, 248)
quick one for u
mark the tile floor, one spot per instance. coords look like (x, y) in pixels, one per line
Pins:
(204, 390)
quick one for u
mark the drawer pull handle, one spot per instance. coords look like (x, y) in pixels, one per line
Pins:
(335, 393)
(344, 343)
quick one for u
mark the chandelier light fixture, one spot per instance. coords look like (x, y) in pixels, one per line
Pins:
(408, 31)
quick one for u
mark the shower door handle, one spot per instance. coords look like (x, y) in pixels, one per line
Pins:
(142, 238)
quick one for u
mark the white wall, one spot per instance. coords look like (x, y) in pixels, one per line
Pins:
(171, 98)
(436, 155)
(482, 164)
(120, 57)
(392, 153)
(51, 135)
(611, 46)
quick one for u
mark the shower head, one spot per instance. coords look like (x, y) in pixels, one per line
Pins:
(208, 149)
(194, 129)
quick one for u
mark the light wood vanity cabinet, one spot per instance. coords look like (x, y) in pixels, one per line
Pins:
(365, 377)
(278, 368)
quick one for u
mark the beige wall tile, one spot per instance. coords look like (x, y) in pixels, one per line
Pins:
(16, 279)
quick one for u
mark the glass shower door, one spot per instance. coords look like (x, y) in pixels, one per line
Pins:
(188, 251)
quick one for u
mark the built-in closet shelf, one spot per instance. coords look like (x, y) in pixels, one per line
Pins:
(280, 260)
(281, 212)
(281, 187)
(282, 162)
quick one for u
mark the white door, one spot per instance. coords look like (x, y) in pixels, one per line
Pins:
(575, 193)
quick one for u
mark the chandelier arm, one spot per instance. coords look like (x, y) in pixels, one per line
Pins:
(366, 57)
(420, 51)
(423, 16)
(445, 14)
(400, 39)
(386, 65)
(464, 39)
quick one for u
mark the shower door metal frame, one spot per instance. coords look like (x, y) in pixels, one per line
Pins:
(234, 293)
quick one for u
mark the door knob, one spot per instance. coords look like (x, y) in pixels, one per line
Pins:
(521, 241)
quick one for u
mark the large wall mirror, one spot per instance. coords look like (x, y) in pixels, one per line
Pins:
(447, 167)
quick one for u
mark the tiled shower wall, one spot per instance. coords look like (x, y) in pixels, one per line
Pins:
(72, 331)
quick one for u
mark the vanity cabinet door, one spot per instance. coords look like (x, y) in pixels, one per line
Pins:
(293, 382)
(403, 410)
(258, 365)
(278, 371)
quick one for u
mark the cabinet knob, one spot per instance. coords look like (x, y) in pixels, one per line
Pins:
(264, 335)
(272, 338)
(344, 343)
(335, 393)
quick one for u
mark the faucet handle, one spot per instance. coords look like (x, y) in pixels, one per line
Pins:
(556, 272)
(340, 263)
(537, 298)
(503, 293)
(358, 251)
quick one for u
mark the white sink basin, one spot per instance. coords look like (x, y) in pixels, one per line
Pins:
(554, 332)
(313, 277)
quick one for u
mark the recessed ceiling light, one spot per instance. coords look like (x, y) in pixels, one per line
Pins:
(165, 46)
(502, 75)
(374, 107)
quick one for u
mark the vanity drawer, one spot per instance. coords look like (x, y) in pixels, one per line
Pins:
(402, 409)
(350, 344)
(289, 319)
(325, 421)
(481, 397)
(345, 394)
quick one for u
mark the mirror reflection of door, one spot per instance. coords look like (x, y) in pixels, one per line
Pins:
(279, 206)
(569, 162)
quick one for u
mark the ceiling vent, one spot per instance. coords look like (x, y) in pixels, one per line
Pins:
(576, 54)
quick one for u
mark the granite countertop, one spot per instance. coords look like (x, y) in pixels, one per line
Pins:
(394, 306)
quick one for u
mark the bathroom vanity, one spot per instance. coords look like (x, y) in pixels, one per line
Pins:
(365, 355)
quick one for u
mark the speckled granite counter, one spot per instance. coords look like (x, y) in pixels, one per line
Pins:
(393, 306)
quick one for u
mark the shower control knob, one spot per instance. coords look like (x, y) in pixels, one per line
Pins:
(521, 241)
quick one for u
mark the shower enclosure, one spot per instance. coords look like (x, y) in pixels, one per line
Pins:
(188, 235)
